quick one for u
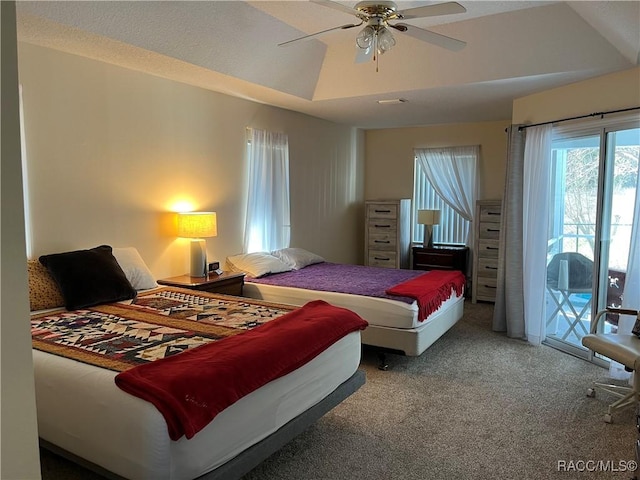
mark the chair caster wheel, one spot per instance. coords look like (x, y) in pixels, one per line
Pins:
(591, 392)
(607, 418)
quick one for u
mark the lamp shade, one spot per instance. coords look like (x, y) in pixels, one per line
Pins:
(197, 225)
(428, 217)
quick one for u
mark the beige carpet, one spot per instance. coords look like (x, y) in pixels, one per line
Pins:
(475, 405)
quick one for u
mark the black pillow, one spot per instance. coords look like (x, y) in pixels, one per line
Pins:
(88, 277)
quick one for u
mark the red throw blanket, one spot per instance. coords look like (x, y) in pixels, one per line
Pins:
(191, 388)
(430, 289)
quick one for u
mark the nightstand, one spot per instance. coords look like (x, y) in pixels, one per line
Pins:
(229, 283)
(446, 257)
(440, 258)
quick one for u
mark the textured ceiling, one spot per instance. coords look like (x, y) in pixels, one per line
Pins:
(513, 49)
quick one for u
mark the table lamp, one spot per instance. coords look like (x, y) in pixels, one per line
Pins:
(197, 226)
(428, 218)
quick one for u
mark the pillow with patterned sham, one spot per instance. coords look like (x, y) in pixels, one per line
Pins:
(43, 289)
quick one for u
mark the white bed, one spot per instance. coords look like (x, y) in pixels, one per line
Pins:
(83, 415)
(82, 411)
(393, 324)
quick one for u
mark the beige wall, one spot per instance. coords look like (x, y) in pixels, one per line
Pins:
(111, 151)
(609, 92)
(19, 454)
(390, 157)
(389, 152)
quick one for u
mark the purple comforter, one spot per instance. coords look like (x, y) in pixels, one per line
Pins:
(334, 277)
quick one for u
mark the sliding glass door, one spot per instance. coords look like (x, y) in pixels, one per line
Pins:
(594, 177)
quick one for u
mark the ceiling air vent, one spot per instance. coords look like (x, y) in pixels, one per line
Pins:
(394, 101)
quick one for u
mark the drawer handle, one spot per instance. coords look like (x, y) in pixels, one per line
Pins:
(493, 213)
(491, 268)
(381, 241)
(493, 229)
(492, 248)
(489, 286)
(382, 226)
(382, 211)
(382, 258)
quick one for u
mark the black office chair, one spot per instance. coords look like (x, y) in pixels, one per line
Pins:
(568, 274)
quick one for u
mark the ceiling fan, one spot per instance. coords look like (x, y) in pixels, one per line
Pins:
(376, 37)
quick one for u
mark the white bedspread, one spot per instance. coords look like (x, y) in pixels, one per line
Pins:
(381, 312)
(81, 410)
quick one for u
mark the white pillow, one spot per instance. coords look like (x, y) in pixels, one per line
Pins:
(297, 258)
(257, 264)
(133, 266)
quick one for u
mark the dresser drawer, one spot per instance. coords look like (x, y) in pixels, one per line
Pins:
(489, 230)
(488, 248)
(382, 225)
(490, 213)
(382, 211)
(440, 259)
(486, 288)
(487, 267)
(382, 241)
(382, 259)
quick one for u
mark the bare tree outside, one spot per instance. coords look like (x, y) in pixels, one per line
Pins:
(581, 190)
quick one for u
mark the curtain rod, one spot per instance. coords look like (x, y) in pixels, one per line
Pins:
(596, 114)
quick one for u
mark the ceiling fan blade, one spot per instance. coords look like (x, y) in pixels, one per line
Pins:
(364, 55)
(447, 8)
(431, 37)
(308, 37)
(337, 6)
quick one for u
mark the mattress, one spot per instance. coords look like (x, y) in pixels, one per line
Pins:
(81, 410)
(381, 312)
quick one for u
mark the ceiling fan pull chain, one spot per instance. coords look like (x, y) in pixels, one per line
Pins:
(376, 54)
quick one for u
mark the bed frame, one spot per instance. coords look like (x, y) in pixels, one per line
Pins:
(249, 459)
(414, 341)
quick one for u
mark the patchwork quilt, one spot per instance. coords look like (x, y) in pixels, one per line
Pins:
(154, 325)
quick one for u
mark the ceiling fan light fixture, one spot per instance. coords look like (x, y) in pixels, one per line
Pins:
(365, 38)
(385, 40)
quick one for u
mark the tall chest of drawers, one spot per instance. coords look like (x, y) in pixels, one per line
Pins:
(487, 241)
(387, 237)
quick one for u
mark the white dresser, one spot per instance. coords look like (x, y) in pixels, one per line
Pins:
(485, 259)
(387, 233)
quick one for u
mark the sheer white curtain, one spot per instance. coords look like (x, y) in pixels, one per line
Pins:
(452, 173)
(535, 226)
(631, 292)
(268, 223)
(28, 237)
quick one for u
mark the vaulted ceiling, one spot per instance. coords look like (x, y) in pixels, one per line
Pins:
(514, 48)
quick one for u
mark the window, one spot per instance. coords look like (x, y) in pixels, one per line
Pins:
(267, 225)
(445, 180)
(592, 201)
